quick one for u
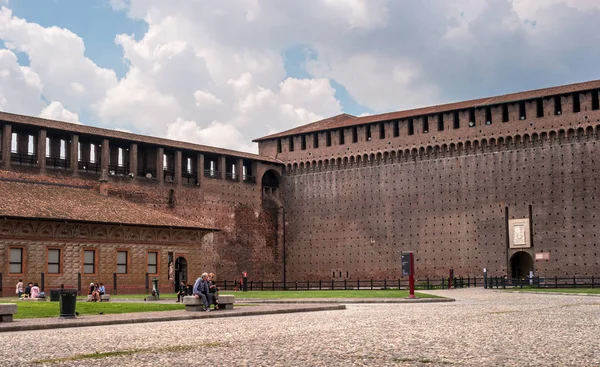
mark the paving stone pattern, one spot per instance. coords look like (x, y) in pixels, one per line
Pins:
(483, 328)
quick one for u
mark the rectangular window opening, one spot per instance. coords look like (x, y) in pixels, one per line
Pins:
(595, 100)
(539, 107)
(505, 112)
(341, 136)
(471, 117)
(411, 127)
(291, 143)
(425, 124)
(456, 120)
(557, 105)
(53, 261)
(30, 145)
(92, 153)
(315, 140)
(15, 265)
(13, 143)
(278, 145)
(152, 263)
(368, 132)
(328, 138)
(120, 157)
(354, 134)
(121, 262)
(78, 152)
(440, 122)
(89, 262)
(576, 103)
(165, 162)
(396, 128)
(488, 115)
(522, 111)
(63, 149)
(189, 166)
(303, 142)
(381, 130)
(47, 147)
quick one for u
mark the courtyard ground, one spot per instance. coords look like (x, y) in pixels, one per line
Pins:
(482, 328)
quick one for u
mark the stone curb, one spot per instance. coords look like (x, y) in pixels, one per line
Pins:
(97, 321)
(345, 300)
(558, 293)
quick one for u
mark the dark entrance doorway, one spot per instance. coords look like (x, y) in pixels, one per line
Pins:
(180, 272)
(521, 264)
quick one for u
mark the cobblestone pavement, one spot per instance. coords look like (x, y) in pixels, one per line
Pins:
(483, 328)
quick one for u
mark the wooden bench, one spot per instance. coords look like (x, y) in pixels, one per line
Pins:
(7, 310)
(195, 304)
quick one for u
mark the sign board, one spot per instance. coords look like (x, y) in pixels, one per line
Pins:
(405, 264)
(542, 256)
(518, 233)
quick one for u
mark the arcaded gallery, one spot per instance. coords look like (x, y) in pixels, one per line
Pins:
(506, 183)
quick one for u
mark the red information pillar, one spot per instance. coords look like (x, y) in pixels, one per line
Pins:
(411, 277)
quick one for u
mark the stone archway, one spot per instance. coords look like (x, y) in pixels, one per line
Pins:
(270, 184)
(521, 264)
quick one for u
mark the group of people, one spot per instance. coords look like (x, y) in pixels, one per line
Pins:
(204, 288)
(96, 291)
(32, 290)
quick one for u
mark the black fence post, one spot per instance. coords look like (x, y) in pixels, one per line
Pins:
(79, 283)
(475, 282)
(469, 281)
(371, 283)
(574, 282)
(521, 283)
(443, 284)
(225, 285)
(1, 282)
(273, 285)
(427, 283)
(114, 291)
(358, 284)
(332, 284)
(398, 283)
(147, 283)
(262, 285)
(345, 288)
(251, 284)
(307, 285)
(555, 281)
(385, 284)
(42, 281)
(319, 284)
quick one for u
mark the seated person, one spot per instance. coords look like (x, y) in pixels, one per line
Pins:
(201, 290)
(213, 289)
(27, 293)
(101, 289)
(183, 291)
(35, 291)
(94, 293)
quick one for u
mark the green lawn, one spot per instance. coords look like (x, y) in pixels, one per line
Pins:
(390, 293)
(558, 290)
(28, 309)
(328, 294)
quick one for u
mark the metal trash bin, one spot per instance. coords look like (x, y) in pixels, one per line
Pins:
(54, 295)
(68, 300)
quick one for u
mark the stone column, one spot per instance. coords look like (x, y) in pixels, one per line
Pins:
(105, 155)
(221, 167)
(133, 159)
(41, 150)
(200, 168)
(75, 154)
(160, 172)
(239, 170)
(6, 142)
(177, 173)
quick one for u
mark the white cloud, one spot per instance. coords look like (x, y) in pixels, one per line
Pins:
(213, 71)
(56, 111)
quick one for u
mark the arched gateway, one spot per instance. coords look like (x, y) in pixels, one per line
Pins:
(521, 264)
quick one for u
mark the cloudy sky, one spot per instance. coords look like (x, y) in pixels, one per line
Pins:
(222, 72)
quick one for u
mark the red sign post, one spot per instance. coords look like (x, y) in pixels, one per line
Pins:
(408, 268)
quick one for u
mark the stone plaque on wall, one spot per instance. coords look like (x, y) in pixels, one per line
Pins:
(518, 233)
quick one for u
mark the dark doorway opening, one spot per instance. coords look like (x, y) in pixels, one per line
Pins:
(521, 264)
(180, 272)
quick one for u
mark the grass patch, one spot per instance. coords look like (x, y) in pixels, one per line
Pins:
(558, 290)
(27, 309)
(98, 355)
(391, 293)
